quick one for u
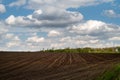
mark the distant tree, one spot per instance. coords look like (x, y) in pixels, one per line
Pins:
(85, 50)
(118, 49)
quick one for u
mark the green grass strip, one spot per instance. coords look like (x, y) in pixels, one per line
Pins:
(113, 74)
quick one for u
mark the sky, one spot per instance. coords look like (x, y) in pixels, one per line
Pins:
(33, 25)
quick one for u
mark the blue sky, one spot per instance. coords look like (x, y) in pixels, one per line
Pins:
(97, 12)
(30, 25)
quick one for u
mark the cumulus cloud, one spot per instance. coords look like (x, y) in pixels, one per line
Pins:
(58, 27)
(76, 42)
(53, 33)
(45, 13)
(57, 45)
(79, 40)
(93, 27)
(111, 14)
(62, 4)
(3, 28)
(91, 33)
(12, 37)
(18, 3)
(21, 21)
(115, 38)
(44, 19)
(8, 40)
(12, 40)
(35, 39)
(2, 8)
(65, 39)
(37, 12)
(12, 44)
(61, 19)
(10, 20)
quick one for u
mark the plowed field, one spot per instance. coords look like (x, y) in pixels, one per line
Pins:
(54, 66)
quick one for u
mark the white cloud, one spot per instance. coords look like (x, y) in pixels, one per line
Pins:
(2, 8)
(111, 14)
(10, 20)
(91, 33)
(37, 12)
(43, 19)
(12, 40)
(12, 37)
(57, 45)
(12, 44)
(62, 4)
(84, 41)
(61, 19)
(79, 40)
(35, 39)
(53, 33)
(91, 27)
(115, 38)
(65, 39)
(3, 29)
(94, 41)
(18, 21)
(61, 28)
(18, 3)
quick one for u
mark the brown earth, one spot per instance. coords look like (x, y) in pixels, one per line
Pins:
(54, 66)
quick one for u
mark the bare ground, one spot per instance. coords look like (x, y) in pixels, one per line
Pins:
(54, 66)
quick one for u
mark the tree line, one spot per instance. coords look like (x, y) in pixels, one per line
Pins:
(86, 50)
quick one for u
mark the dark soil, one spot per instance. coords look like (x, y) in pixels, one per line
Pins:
(54, 66)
